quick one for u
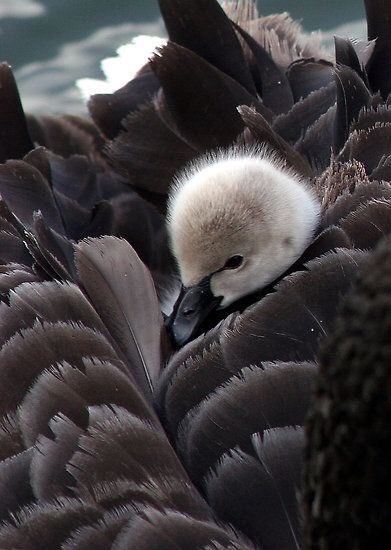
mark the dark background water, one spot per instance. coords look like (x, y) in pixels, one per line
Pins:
(51, 43)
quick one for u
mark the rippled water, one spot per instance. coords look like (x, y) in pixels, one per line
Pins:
(52, 43)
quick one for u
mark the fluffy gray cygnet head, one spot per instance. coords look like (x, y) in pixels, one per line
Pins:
(237, 220)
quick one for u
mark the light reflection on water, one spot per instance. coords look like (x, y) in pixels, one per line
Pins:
(52, 43)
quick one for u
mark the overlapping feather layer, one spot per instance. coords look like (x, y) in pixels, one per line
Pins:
(108, 438)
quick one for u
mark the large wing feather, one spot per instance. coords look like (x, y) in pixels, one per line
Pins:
(189, 24)
(122, 292)
(15, 140)
(196, 97)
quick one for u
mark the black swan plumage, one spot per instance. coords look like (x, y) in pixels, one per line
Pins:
(109, 437)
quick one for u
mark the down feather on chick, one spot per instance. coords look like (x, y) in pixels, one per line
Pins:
(237, 221)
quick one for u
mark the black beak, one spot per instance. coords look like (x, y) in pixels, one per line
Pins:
(192, 307)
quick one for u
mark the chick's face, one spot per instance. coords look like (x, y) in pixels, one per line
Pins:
(247, 261)
(230, 241)
(228, 261)
(237, 257)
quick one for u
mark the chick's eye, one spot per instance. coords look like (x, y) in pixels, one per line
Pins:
(233, 262)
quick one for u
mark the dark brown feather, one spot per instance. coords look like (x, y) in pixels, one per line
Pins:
(110, 110)
(148, 153)
(194, 25)
(13, 250)
(71, 390)
(15, 140)
(154, 530)
(293, 125)
(307, 75)
(350, 199)
(352, 96)
(12, 275)
(189, 356)
(121, 447)
(49, 301)
(197, 97)
(25, 191)
(256, 399)
(345, 54)
(122, 292)
(286, 325)
(46, 525)
(316, 144)
(48, 475)
(262, 498)
(11, 442)
(29, 352)
(61, 136)
(15, 486)
(264, 133)
(378, 14)
(368, 224)
(328, 240)
(368, 146)
(271, 81)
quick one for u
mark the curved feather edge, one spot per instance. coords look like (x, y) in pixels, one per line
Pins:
(261, 497)
(257, 398)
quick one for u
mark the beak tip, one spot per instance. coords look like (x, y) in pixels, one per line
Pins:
(192, 307)
(176, 329)
(178, 338)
